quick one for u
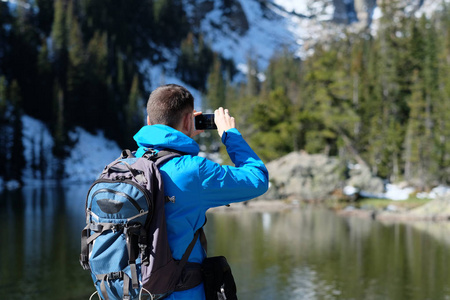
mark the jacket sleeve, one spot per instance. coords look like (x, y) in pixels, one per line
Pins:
(221, 185)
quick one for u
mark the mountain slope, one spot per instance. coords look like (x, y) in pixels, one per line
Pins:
(240, 28)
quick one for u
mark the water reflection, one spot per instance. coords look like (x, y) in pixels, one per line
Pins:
(311, 253)
(40, 241)
(306, 253)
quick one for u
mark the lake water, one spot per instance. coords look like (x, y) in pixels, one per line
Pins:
(304, 253)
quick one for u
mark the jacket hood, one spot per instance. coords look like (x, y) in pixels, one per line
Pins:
(161, 137)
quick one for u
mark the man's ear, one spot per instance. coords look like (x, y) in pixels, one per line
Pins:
(148, 120)
(187, 119)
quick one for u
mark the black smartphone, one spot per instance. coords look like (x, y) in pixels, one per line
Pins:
(205, 122)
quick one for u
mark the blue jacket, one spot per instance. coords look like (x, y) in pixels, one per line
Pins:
(199, 184)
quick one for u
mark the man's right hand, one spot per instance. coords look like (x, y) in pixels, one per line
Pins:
(223, 120)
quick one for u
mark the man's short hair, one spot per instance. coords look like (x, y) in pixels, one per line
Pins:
(167, 104)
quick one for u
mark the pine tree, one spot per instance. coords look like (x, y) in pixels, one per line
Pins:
(3, 102)
(45, 75)
(75, 50)
(272, 119)
(45, 15)
(17, 159)
(253, 84)
(441, 115)
(60, 61)
(59, 128)
(195, 61)
(135, 117)
(170, 15)
(59, 30)
(216, 95)
(4, 143)
(326, 101)
(383, 104)
(432, 98)
(416, 141)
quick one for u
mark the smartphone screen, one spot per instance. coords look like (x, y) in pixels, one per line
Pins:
(205, 122)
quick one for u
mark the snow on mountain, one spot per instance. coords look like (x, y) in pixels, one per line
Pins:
(239, 29)
(429, 7)
(259, 28)
(250, 28)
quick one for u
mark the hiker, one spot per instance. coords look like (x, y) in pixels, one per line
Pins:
(193, 183)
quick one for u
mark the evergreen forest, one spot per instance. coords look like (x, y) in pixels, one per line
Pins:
(381, 99)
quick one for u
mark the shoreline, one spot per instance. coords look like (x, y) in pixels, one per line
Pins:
(257, 206)
(435, 211)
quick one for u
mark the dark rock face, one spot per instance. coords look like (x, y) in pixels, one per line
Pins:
(234, 16)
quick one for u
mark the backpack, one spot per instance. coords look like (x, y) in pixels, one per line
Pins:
(124, 243)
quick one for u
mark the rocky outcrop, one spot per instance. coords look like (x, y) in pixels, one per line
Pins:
(231, 14)
(361, 178)
(304, 177)
(234, 16)
(301, 176)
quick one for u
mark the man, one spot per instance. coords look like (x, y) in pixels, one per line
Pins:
(196, 183)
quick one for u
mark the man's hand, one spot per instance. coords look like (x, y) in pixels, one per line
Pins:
(223, 120)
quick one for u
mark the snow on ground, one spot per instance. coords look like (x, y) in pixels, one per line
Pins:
(398, 193)
(38, 144)
(88, 157)
(392, 192)
(438, 191)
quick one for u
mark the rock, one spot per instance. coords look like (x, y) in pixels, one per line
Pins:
(304, 177)
(318, 177)
(362, 179)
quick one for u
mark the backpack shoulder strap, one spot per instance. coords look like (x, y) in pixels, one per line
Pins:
(162, 156)
(189, 249)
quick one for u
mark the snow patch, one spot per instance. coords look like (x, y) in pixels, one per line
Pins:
(436, 192)
(299, 7)
(87, 158)
(38, 146)
(396, 193)
(91, 153)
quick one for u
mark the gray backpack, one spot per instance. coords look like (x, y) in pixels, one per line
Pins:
(124, 244)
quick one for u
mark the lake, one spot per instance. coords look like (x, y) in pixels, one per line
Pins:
(303, 253)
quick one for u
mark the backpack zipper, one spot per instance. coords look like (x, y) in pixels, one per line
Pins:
(128, 197)
(128, 181)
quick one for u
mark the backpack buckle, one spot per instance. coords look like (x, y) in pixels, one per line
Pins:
(115, 275)
(149, 153)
